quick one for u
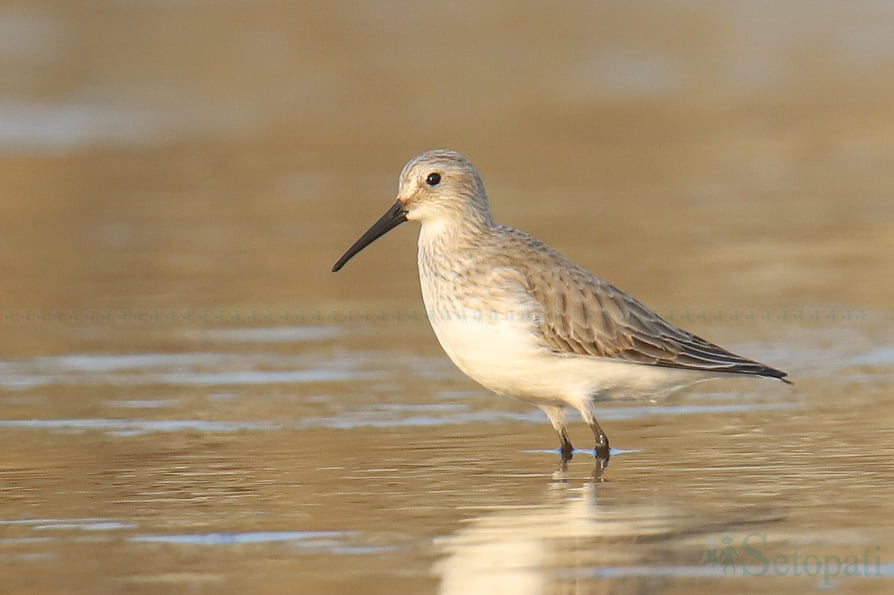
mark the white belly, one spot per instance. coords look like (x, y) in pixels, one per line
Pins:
(498, 354)
(505, 357)
(489, 331)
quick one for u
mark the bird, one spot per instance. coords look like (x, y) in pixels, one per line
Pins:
(524, 321)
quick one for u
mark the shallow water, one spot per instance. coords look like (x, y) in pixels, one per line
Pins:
(191, 401)
(237, 469)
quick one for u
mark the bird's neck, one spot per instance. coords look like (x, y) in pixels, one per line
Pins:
(446, 236)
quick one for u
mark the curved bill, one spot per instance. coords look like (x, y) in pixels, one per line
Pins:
(394, 217)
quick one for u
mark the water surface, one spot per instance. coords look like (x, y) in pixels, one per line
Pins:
(191, 401)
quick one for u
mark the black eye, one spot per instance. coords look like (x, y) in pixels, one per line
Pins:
(433, 179)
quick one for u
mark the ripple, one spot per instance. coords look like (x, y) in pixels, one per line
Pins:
(179, 369)
(332, 542)
(279, 334)
(237, 538)
(131, 427)
(83, 524)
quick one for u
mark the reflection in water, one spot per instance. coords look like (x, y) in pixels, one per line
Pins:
(572, 542)
(273, 471)
(530, 550)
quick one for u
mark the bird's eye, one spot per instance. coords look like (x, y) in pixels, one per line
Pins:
(433, 179)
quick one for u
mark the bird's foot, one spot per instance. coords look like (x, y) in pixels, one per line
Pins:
(566, 451)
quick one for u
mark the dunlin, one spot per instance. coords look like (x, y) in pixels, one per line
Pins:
(523, 320)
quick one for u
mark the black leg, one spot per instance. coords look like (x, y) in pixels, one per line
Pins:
(556, 414)
(603, 451)
(565, 446)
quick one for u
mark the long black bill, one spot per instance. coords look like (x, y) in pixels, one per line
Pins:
(394, 217)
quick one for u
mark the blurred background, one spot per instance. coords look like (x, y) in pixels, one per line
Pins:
(211, 155)
(173, 171)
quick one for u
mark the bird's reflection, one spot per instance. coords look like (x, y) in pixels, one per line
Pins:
(543, 548)
(599, 466)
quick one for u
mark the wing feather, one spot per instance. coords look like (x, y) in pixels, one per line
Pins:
(581, 314)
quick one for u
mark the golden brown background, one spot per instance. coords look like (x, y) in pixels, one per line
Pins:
(190, 400)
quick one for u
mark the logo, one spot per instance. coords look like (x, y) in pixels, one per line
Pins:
(728, 557)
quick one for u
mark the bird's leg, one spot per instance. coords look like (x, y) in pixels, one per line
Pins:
(565, 446)
(602, 448)
(556, 416)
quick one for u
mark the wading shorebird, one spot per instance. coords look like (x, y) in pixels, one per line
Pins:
(522, 320)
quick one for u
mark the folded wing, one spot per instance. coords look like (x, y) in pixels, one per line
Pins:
(582, 314)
